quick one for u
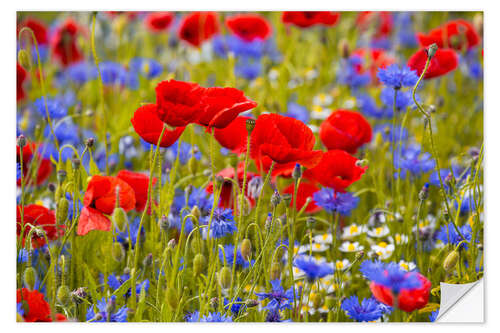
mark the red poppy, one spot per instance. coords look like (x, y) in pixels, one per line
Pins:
(21, 77)
(382, 20)
(41, 217)
(408, 300)
(179, 103)
(222, 105)
(131, 15)
(139, 183)
(38, 27)
(159, 21)
(234, 136)
(305, 190)
(149, 127)
(337, 169)
(284, 140)
(100, 199)
(63, 44)
(443, 62)
(373, 59)
(44, 165)
(456, 34)
(226, 197)
(197, 27)
(308, 19)
(35, 307)
(345, 130)
(249, 27)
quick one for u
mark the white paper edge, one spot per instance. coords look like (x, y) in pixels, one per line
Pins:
(462, 303)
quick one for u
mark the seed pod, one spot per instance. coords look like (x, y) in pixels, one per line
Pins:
(62, 211)
(199, 262)
(225, 277)
(172, 298)
(24, 59)
(250, 125)
(451, 260)
(317, 300)
(117, 252)
(246, 249)
(431, 50)
(29, 277)
(297, 172)
(119, 218)
(275, 271)
(63, 294)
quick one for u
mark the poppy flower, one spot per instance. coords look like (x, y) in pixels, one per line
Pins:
(21, 77)
(38, 216)
(222, 105)
(44, 165)
(36, 309)
(443, 62)
(100, 199)
(139, 183)
(305, 190)
(337, 169)
(234, 136)
(159, 21)
(38, 27)
(131, 15)
(409, 299)
(284, 140)
(249, 27)
(308, 19)
(374, 59)
(149, 127)
(226, 196)
(63, 44)
(383, 21)
(179, 103)
(456, 34)
(345, 130)
(198, 27)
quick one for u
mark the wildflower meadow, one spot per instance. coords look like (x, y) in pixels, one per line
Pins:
(247, 166)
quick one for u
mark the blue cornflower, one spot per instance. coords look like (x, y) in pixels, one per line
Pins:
(381, 43)
(368, 310)
(297, 111)
(147, 67)
(222, 223)
(448, 234)
(235, 307)
(82, 72)
(409, 158)
(78, 208)
(113, 73)
(390, 275)
(65, 132)
(369, 107)
(274, 316)
(434, 177)
(54, 105)
(212, 317)
(229, 252)
(279, 299)
(222, 44)
(18, 171)
(185, 153)
(396, 77)
(312, 268)
(175, 221)
(468, 203)
(123, 238)
(102, 314)
(115, 282)
(23, 256)
(389, 134)
(332, 201)
(404, 99)
(20, 309)
(433, 316)
(247, 68)
(127, 148)
(348, 73)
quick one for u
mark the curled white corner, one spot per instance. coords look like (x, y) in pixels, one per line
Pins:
(462, 303)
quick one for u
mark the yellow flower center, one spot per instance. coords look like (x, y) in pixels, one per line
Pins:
(353, 229)
(351, 247)
(378, 231)
(382, 244)
(339, 264)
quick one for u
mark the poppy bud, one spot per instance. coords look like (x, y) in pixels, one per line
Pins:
(254, 187)
(89, 142)
(111, 305)
(287, 199)
(275, 272)
(172, 297)
(225, 277)
(424, 192)
(51, 187)
(78, 295)
(24, 59)
(250, 303)
(29, 277)
(250, 124)
(310, 222)
(344, 48)
(21, 141)
(195, 211)
(75, 163)
(198, 264)
(451, 260)
(275, 199)
(61, 176)
(317, 300)
(63, 294)
(361, 163)
(62, 210)
(119, 218)
(172, 243)
(163, 223)
(329, 302)
(214, 302)
(359, 255)
(431, 50)
(192, 165)
(246, 249)
(297, 172)
(117, 252)
(148, 260)
(219, 180)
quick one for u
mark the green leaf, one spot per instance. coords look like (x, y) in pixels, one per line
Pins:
(91, 284)
(122, 289)
(142, 304)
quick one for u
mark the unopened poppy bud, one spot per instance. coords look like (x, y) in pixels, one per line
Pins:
(51, 187)
(172, 297)
(424, 192)
(250, 303)
(117, 252)
(148, 260)
(111, 305)
(163, 223)
(78, 295)
(275, 199)
(219, 180)
(275, 271)
(451, 260)
(225, 277)
(254, 187)
(172, 243)
(431, 50)
(61, 176)
(119, 218)
(344, 48)
(98, 317)
(250, 125)
(195, 211)
(90, 142)
(379, 139)
(329, 302)
(192, 165)
(360, 255)
(75, 163)
(362, 163)
(29, 277)
(199, 262)
(24, 59)
(21, 141)
(214, 302)
(63, 294)
(297, 171)
(287, 199)
(39, 232)
(246, 249)
(317, 300)
(62, 210)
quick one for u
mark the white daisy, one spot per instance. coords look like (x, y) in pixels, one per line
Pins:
(378, 232)
(351, 247)
(353, 230)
